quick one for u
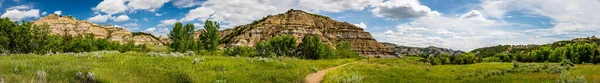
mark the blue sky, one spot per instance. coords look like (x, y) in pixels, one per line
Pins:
(456, 24)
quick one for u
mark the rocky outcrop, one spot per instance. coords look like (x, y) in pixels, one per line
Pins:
(432, 51)
(298, 24)
(68, 25)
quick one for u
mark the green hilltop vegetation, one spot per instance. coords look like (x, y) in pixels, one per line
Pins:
(30, 53)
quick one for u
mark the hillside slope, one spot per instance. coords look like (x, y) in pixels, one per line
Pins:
(298, 24)
(63, 25)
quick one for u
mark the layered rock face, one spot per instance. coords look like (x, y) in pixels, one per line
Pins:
(432, 51)
(298, 24)
(63, 25)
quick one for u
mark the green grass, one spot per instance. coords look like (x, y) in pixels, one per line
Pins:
(141, 68)
(411, 70)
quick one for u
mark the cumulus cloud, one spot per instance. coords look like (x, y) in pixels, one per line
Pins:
(186, 3)
(20, 7)
(361, 25)
(59, 12)
(475, 15)
(574, 18)
(17, 15)
(200, 13)
(99, 18)
(463, 33)
(167, 22)
(395, 9)
(238, 12)
(120, 6)
(111, 6)
(474, 29)
(44, 13)
(131, 26)
(157, 31)
(120, 18)
(337, 5)
(150, 5)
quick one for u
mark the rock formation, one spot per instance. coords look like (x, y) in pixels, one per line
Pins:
(432, 51)
(63, 25)
(298, 24)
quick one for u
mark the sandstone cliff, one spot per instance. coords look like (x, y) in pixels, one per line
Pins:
(63, 25)
(298, 24)
(433, 51)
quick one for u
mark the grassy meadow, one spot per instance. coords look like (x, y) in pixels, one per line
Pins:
(412, 70)
(147, 68)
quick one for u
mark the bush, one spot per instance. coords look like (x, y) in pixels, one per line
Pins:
(492, 59)
(344, 50)
(353, 77)
(241, 51)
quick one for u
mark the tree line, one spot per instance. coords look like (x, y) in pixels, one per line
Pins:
(311, 48)
(25, 37)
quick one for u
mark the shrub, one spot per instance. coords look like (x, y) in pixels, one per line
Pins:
(41, 76)
(241, 51)
(567, 63)
(491, 59)
(344, 50)
(353, 77)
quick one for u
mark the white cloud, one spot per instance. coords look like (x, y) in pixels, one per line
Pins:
(462, 33)
(238, 12)
(198, 25)
(120, 18)
(44, 13)
(167, 22)
(111, 6)
(336, 5)
(59, 12)
(394, 9)
(131, 26)
(361, 25)
(99, 18)
(186, 3)
(17, 15)
(145, 19)
(157, 31)
(475, 15)
(200, 13)
(120, 6)
(150, 5)
(20, 7)
(157, 14)
(573, 18)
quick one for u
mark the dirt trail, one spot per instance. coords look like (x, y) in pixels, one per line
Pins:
(317, 77)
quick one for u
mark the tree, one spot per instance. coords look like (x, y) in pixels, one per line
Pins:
(210, 37)
(313, 48)
(178, 35)
(263, 49)
(344, 50)
(283, 45)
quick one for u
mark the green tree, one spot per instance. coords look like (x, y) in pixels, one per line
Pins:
(177, 36)
(241, 51)
(283, 45)
(313, 48)
(263, 49)
(344, 50)
(210, 39)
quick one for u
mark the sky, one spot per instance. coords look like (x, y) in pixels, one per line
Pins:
(457, 24)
